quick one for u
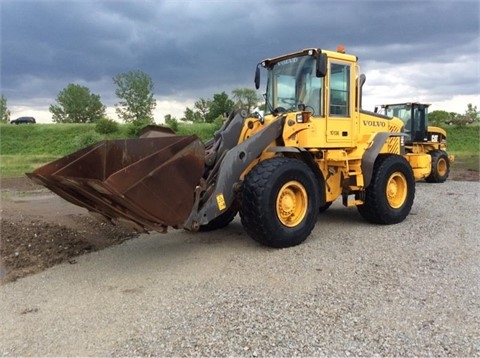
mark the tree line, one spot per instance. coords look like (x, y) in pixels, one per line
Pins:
(135, 91)
(471, 115)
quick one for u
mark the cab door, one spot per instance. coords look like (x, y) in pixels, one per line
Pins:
(339, 104)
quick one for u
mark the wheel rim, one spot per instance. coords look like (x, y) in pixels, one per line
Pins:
(396, 190)
(292, 203)
(442, 167)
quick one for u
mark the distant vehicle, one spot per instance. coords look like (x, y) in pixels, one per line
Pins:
(459, 120)
(21, 120)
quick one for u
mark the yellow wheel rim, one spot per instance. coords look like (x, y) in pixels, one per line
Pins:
(292, 203)
(396, 190)
(442, 167)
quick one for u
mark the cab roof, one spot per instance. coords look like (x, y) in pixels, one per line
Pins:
(312, 52)
(406, 104)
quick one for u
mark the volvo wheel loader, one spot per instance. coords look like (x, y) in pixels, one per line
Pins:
(422, 139)
(313, 145)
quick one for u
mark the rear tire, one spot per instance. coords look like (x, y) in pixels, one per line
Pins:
(440, 167)
(389, 197)
(280, 201)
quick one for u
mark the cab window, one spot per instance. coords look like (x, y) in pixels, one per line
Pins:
(339, 89)
(314, 98)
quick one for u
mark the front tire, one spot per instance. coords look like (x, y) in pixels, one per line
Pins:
(389, 197)
(222, 220)
(280, 201)
(440, 167)
(325, 207)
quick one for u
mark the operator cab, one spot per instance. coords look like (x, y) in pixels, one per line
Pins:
(295, 83)
(320, 87)
(414, 116)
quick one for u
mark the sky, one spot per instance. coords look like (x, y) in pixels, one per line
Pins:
(426, 51)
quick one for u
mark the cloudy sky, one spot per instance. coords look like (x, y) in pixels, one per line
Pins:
(409, 50)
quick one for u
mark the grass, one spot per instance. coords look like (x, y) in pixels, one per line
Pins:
(47, 139)
(24, 148)
(12, 165)
(464, 143)
(463, 139)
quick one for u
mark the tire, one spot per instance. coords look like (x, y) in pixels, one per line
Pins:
(389, 197)
(325, 207)
(280, 201)
(222, 220)
(440, 167)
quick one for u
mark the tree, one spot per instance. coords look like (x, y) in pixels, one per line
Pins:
(199, 112)
(438, 117)
(472, 112)
(246, 98)
(191, 116)
(219, 106)
(203, 107)
(4, 112)
(135, 90)
(76, 104)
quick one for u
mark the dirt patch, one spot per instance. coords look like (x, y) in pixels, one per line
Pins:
(465, 175)
(39, 230)
(35, 245)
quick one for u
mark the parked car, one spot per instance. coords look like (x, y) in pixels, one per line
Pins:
(20, 120)
(459, 120)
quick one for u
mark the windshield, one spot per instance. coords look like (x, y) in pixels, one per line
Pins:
(292, 82)
(413, 121)
(402, 111)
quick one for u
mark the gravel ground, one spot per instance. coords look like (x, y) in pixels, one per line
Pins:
(352, 288)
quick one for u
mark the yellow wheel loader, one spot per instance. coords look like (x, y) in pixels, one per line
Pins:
(422, 139)
(313, 145)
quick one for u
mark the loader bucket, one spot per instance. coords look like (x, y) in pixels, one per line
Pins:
(147, 182)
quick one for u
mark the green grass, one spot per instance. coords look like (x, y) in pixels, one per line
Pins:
(204, 131)
(46, 139)
(463, 139)
(12, 165)
(26, 147)
(464, 143)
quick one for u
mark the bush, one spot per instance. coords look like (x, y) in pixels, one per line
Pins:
(172, 123)
(218, 122)
(204, 131)
(106, 126)
(86, 139)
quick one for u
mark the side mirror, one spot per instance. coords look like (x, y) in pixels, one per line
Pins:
(257, 78)
(321, 65)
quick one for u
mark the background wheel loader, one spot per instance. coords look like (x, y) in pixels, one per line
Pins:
(422, 139)
(279, 171)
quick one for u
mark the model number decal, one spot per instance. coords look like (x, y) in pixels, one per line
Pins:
(434, 137)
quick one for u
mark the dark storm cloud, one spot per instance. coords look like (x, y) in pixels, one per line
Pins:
(192, 47)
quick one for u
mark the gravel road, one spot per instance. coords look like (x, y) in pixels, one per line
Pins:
(352, 288)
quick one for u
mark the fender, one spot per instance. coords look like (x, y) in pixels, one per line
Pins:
(231, 165)
(307, 158)
(370, 155)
